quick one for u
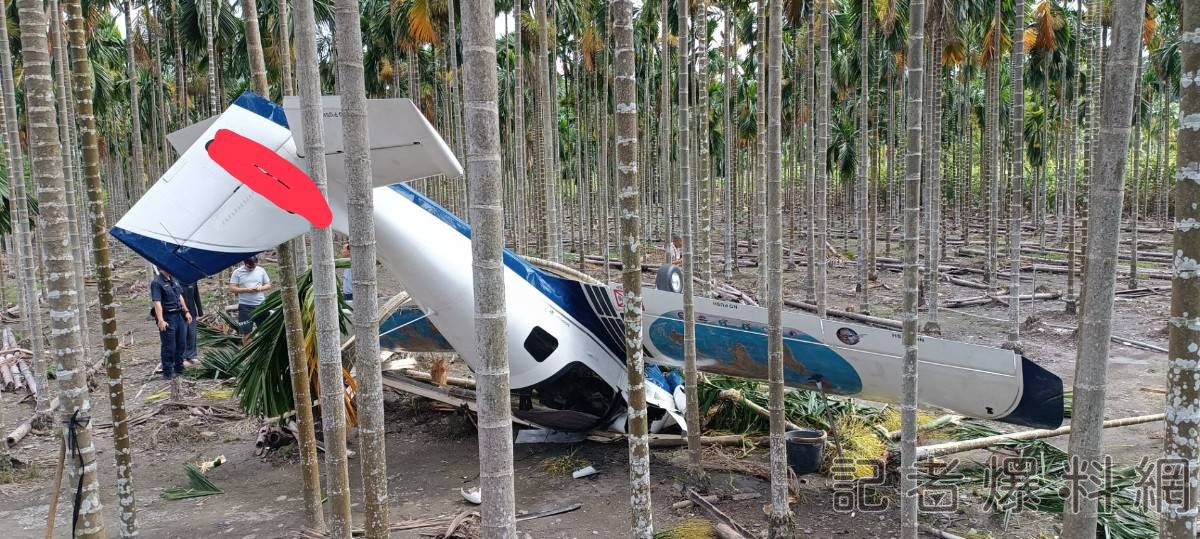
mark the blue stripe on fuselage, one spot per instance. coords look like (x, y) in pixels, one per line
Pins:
(565, 293)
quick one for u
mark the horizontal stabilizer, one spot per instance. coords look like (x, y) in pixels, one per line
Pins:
(409, 330)
(199, 219)
(404, 146)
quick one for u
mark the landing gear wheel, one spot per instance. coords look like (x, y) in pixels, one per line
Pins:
(669, 278)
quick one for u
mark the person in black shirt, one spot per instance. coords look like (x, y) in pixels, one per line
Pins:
(172, 314)
(191, 297)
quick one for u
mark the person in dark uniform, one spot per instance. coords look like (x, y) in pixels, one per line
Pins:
(172, 315)
(191, 297)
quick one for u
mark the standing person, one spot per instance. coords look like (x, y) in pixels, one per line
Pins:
(172, 315)
(191, 299)
(347, 288)
(250, 282)
(675, 250)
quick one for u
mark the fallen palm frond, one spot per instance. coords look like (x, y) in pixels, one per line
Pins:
(210, 335)
(563, 465)
(1044, 488)
(198, 485)
(217, 363)
(262, 369)
(804, 408)
(692, 528)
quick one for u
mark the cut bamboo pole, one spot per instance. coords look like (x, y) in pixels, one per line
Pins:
(950, 448)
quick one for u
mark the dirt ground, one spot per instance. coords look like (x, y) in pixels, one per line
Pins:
(432, 453)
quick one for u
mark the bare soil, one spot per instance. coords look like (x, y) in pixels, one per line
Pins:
(433, 453)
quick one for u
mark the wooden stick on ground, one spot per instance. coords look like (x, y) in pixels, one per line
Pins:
(58, 475)
(717, 515)
(949, 448)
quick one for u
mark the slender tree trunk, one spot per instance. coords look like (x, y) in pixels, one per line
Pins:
(62, 75)
(46, 165)
(548, 125)
(912, 181)
(297, 353)
(822, 155)
(730, 249)
(181, 93)
(864, 161)
(932, 108)
(284, 48)
(371, 428)
(31, 311)
(1104, 228)
(520, 163)
(641, 517)
(82, 82)
(779, 518)
(1136, 175)
(695, 470)
(759, 217)
(704, 193)
(325, 304)
(487, 250)
(209, 40)
(993, 147)
(664, 126)
(1018, 173)
(1183, 379)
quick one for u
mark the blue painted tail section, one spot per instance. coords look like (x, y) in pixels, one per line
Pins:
(739, 348)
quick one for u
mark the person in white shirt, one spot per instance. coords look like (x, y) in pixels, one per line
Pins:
(250, 282)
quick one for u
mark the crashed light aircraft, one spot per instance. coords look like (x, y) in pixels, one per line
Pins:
(241, 175)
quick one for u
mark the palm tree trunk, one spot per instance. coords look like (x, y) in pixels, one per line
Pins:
(46, 165)
(641, 517)
(932, 108)
(864, 161)
(759, 217)
(704, 193)
(1104, 228)
(912, 189)
(89, 140)
(726, 96)
(547, 128)
(520, 162)
(284, 49)
(1017, 68)
(1179, 519)
(822, 155)
(779, 521)
(695, 470)
(31, 311)
(664, 126)
(297, 353)
(325, 304)
(487, 244)
(61, 76)
(1136, 176)
(993, 147)
(371, 428)
(209, 40)
(1069, 297)
(135, 132)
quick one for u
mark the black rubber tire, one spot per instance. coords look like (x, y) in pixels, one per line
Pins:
(669, 278)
